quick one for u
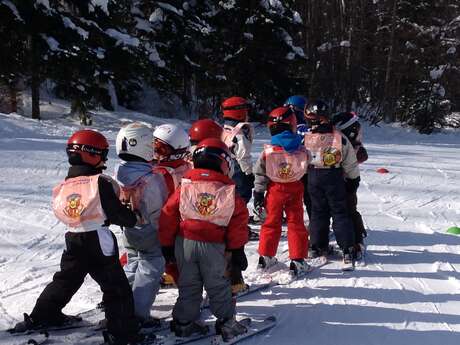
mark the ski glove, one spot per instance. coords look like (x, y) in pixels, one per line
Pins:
(172, 270)
(258, 200)
(168, 254)
(361, 154)
(352, 185)
(239, 259)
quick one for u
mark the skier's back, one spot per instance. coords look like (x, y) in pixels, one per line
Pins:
(87, 203)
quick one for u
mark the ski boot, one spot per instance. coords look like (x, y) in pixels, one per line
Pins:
(111, 339)
(360, 249)
(26, 325)
(187, 329)
(299, 267)
(348, 259)
(314, 252)
(265, 262)
(167, 281)
(238, 288)
(150, 322)
(61, 320)
(229, 328)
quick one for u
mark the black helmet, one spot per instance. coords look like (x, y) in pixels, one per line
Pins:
(316, 112)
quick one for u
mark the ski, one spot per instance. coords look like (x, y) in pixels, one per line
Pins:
(251, 288)
(39, 330)
(168, 338)
(254, 328)
(286, 276)
(318, 262)
(44, 340)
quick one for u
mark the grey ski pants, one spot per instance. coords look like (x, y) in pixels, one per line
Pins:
(144, 271)
(202, 264)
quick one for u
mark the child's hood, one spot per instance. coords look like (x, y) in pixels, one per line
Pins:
(127, 173)
(287, 140)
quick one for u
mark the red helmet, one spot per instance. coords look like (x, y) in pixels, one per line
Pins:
(87, 147)
(282, 116)
(236, 108)
(212, 153)
(203, 129)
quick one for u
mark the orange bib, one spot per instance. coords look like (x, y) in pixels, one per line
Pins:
(325, 148)
(208, 201)
(76, 203)
(283, 166)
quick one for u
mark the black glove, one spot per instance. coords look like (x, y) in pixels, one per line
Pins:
(168, 254)
(352, 185)
(258, 199)
(239, 259)
(250, 179)
(361, 154)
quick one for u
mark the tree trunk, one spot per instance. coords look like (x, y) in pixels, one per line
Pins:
(35, 77)
(389, 115)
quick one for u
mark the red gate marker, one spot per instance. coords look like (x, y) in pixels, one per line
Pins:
(382, 171)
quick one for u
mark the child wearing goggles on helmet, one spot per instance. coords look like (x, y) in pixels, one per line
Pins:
(333, 167)
(348, 124)
(279, 171)
(87, 203)
(203, 223)
(145, 192)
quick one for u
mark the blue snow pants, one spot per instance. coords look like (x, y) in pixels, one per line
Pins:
(144, 271)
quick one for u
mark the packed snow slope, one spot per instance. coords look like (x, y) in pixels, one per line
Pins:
(409, 292)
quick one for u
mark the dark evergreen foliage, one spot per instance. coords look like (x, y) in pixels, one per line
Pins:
(398, 58)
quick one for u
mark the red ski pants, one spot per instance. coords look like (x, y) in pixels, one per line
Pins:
(287, 198)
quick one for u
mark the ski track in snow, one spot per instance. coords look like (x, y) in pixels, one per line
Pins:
(407, 293)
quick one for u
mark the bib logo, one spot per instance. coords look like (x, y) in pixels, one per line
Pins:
(205, 204)
(74, 206)
(285, 171)
(331, 156)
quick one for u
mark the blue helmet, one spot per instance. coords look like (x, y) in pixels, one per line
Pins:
(297, 102)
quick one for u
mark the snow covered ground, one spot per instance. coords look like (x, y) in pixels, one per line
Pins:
(409, 292)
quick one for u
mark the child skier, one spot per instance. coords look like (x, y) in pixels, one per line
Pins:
(348, 124)
(200, 130)
(332, 168)
(145, 192)
(297, 104)
(87, 203)
(202, 223)
(171, 145)
(279, 171)
(238, 135)
(172, 149)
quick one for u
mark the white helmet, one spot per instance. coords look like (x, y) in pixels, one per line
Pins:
(171, 142)
(135, 139)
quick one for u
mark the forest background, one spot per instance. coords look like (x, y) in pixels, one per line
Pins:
(393, 60)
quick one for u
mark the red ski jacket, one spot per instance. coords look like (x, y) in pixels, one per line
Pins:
(234, 235)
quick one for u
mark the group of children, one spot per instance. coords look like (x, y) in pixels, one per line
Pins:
(181, 200)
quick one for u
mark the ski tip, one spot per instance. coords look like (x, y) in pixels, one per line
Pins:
(271, 318)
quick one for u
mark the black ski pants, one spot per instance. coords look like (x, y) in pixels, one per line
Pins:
(352, 203)
(328, 196)
(82, 256)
